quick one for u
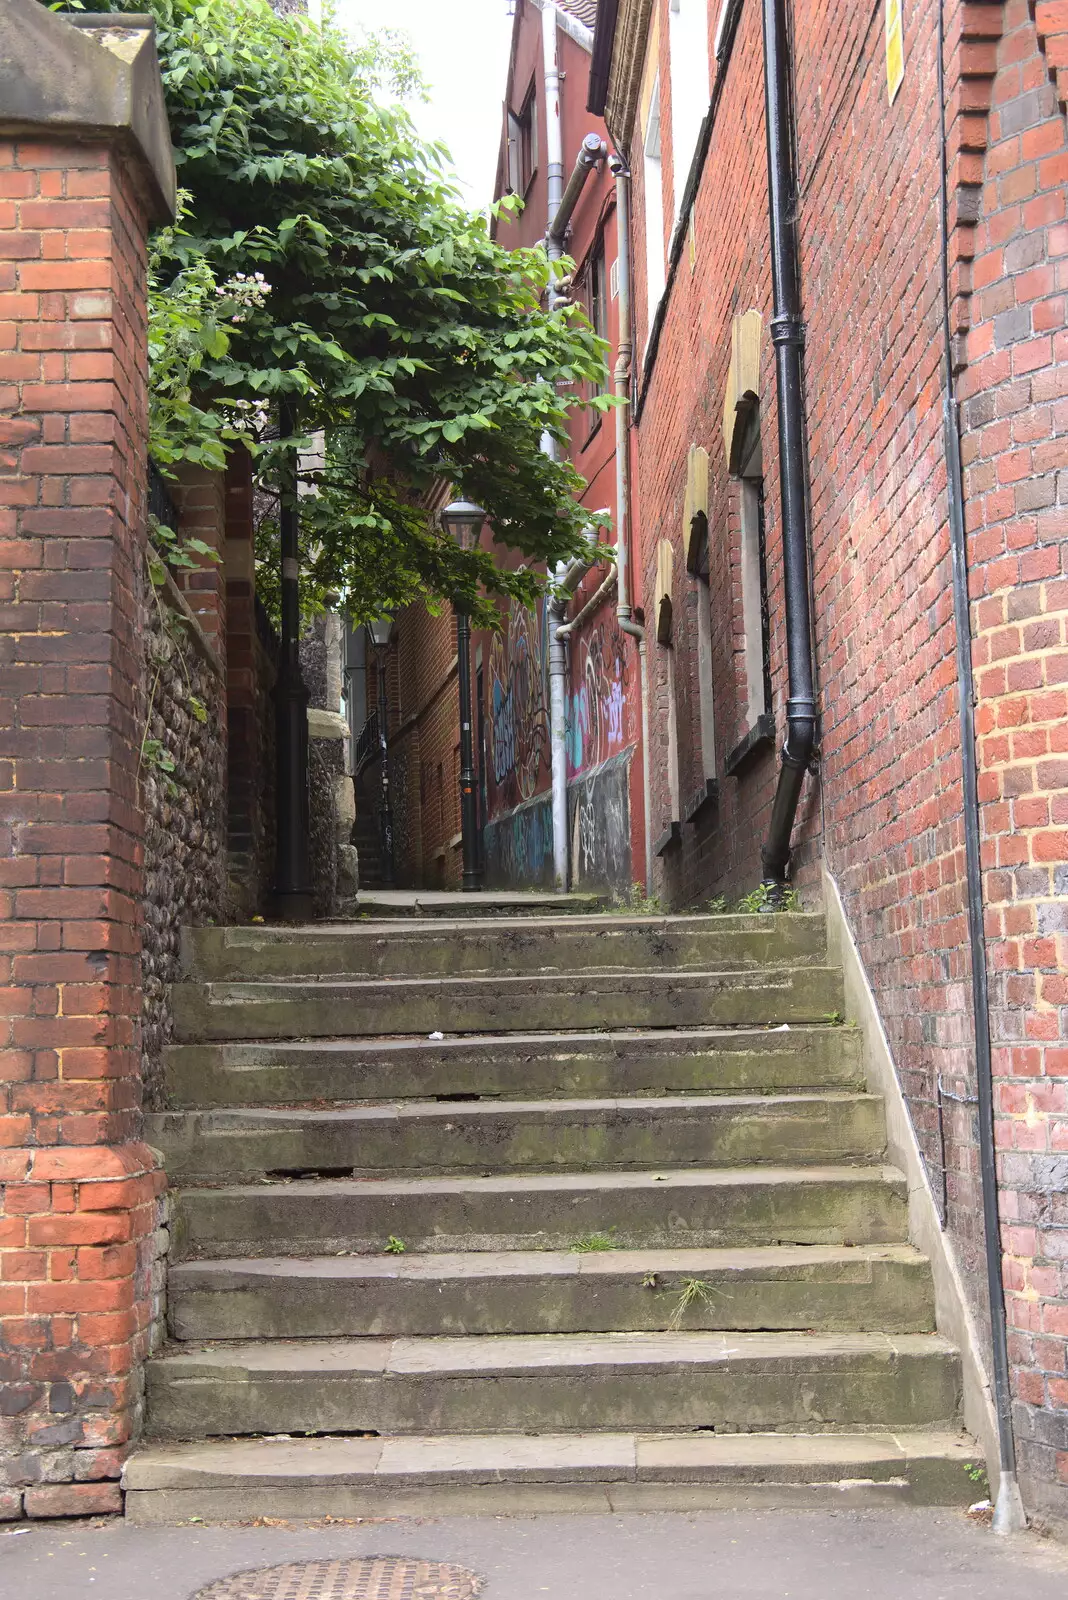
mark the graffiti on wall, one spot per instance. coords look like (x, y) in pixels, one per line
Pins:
(599, 819)
(519, 847)
(519, 715)
(595, 724)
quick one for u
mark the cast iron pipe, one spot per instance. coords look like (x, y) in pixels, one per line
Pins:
(1009, 1515)
(788, 337)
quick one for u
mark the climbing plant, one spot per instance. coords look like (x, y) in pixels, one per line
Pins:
(325, 258)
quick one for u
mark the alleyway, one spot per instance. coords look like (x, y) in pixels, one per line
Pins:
(750, 1555)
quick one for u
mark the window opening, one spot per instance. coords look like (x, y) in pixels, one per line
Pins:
(690, 91)
(523, 144)
(655, 266)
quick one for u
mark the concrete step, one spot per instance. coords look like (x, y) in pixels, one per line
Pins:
(231, 1480)
(444, 948)
(555, 1383)
(535, 1135)
(497, 903)
(541, 1065)
(866, 1288)
(280, 1010)
(664, 1209)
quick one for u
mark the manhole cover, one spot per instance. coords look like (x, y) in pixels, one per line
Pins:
(374, 1578)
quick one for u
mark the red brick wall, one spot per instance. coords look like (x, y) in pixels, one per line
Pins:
(424, 734)
(886, 812)
(78, 1206)
(1015, 392)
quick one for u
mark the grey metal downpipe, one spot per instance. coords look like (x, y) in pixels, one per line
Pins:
(566, 582)
(1009, 1514)
(788, 337)
(592, 152)
(621, 388)
(554, 138)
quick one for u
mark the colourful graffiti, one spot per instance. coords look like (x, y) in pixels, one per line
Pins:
(518, 710)
(595, 724)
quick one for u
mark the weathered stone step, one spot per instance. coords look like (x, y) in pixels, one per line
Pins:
(568, 944)
(226, 1480)
(500, 904)
(866, 1288)
(279, 1010)
(725, 1206)
(540, 1136)
(543, 1065)
(555, 1384)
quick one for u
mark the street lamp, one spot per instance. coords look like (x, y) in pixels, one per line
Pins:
(463, 519)
(380, 632)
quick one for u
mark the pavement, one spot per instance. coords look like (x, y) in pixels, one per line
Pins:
(884, 1554)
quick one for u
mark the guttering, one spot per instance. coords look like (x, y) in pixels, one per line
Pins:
(592, 152)
(1009, 1515)
(621, 388)
(788, 337)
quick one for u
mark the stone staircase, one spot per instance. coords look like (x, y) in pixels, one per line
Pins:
(623, 1237)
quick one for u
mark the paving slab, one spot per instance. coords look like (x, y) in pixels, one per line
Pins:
(814, 1553)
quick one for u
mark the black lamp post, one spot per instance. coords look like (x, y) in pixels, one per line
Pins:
(380, 633)
(463, 519)
(292, 879)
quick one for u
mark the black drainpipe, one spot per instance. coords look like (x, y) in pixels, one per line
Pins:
(788, 337)
(1009, 1515)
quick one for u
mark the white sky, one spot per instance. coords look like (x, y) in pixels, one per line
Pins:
(463, 50)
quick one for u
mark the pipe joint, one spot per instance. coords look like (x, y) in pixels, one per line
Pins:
(787, 330)
(593, 151)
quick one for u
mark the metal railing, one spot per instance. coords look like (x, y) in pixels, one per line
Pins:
(368, 745)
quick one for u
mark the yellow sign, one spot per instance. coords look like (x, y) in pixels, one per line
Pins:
(895, 48)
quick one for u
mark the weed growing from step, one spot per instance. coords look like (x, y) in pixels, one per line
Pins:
(590, 1243)
(757, 900)
(694, 1292)
(636, 903)
(395, 1246)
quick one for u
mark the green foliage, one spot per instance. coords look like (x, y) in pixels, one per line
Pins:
(591, 1243)
(636, 903)
(694, 1292)
(387, 314)
(395, 1246)
(762, 898)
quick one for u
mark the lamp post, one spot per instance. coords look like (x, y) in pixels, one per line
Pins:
(380, 632)
(292, 879)
(463, 519)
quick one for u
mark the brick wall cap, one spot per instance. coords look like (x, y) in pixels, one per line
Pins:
(95, 76)
(86, 1163)
(326, 724)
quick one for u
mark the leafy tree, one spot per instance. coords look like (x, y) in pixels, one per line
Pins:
(382, 308)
